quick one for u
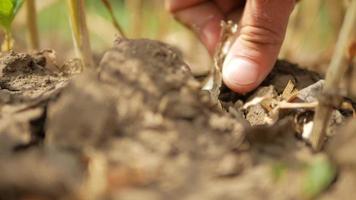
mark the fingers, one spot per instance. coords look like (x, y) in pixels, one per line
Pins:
(227, 6)
(176, 5)
(261, 33)
(204, 17)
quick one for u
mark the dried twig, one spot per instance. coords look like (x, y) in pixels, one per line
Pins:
(289, 92)
(351, 69)
(116, 24)
(80, 32)
(287, 105)
(228, 31)
(334, 75)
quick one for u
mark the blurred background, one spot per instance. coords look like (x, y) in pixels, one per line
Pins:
(311, 35)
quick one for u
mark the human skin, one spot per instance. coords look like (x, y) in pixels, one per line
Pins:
(262, 28)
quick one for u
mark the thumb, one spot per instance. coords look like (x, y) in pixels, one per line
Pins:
(260, 36)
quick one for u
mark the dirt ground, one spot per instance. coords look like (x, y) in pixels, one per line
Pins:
(140, 127)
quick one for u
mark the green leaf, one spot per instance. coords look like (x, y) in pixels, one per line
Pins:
(17, 5)
(278, 170)
(8, 11)
(320, 174)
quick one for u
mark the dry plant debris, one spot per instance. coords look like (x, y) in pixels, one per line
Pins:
(227, 36)
(273, 103)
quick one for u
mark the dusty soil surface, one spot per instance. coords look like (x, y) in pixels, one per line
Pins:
(140, 127)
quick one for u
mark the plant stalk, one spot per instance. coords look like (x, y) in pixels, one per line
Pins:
(135, 9)
(115, 23)
(8, 42)
(32, 24)
(335, 73)
(80, 32)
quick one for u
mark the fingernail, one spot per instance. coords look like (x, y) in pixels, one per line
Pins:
(239, 72)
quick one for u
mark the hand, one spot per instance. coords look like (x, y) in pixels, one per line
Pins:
(262, 27)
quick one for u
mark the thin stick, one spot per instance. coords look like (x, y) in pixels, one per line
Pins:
(288, 105)
(32, 24)
(116, 24)
(334, 75)
(80, 32)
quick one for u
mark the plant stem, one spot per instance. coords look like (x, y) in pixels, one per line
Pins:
(163, 20)
(32, 24)
(288, 105)
(334, 75)
(116, 24)
(135, 9)
(80, 32)
(8, 41)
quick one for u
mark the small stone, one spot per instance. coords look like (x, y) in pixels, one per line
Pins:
(257, 115)
(311, 93)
